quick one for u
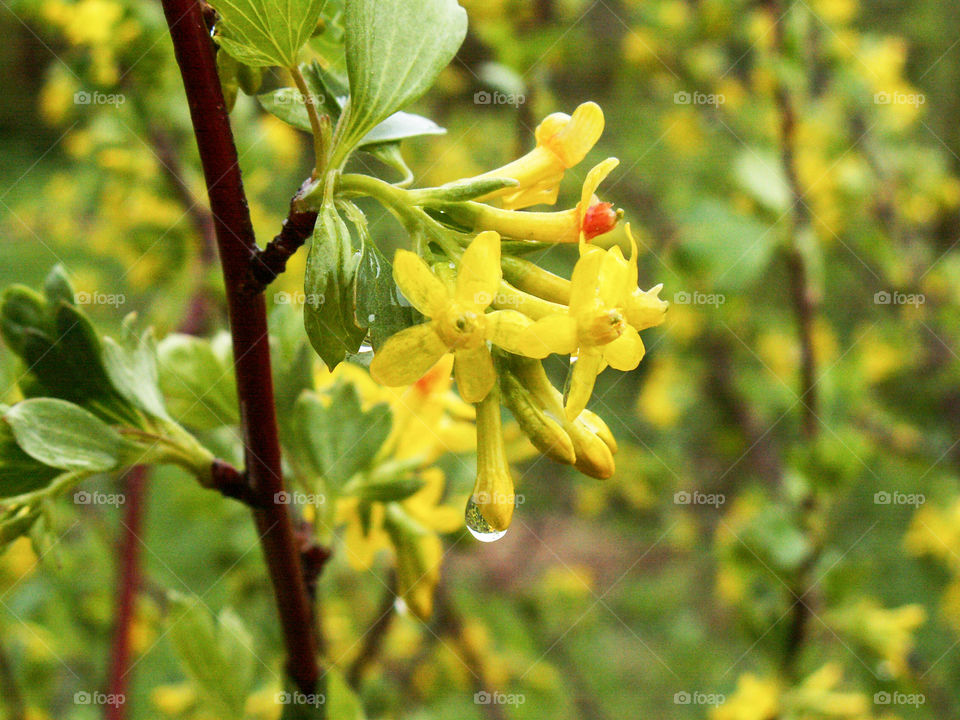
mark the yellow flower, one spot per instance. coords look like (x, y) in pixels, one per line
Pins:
(643, 308)
(754, 699)
(458, 321)
(595, 328)
(562, 142)
(586, 221)
(428, 418)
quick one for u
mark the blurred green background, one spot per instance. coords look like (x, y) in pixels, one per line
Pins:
(738, 566)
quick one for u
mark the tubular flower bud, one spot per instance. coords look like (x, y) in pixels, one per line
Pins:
(532, 278)
(490, 507)
(562, 142)
(565, 226)
(593, 444)
(544, 432)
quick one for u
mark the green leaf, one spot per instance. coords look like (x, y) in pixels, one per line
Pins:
(216, 654)
(342, 702)
(328, 287)
(65, 436)
(386, 490)
(131, 366)
(761, 176)
(731, 249)
(197, 382)
(341, 438)
(377, 297)
(20, 473)
(288, 105)
(266, 32)
(61, 351)
(395, 50)
(57, 288)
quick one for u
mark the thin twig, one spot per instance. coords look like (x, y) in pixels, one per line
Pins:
(248, 327)
(375, 637)
(267, 264)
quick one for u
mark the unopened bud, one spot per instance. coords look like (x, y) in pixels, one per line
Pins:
(493, 490)
(599, 219)
(544, 432)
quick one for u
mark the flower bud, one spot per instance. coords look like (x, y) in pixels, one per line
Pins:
(594, 457)
(492, 494)
(544, 432)
(595, 424)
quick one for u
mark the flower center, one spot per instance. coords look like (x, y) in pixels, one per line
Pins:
(599, 218)
(461, 329)
(601, 326)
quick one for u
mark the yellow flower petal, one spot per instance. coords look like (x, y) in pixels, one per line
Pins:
(645, 309)
(582, 380)
(596, 176)
(585, 277)
(419, 285)
(479, 274)
(626, 352)
(612, 279)
(570, 141)
(407, 356)
(474, 373)
(553, 334)
(507, 329)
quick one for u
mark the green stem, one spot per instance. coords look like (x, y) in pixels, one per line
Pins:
(315, 124)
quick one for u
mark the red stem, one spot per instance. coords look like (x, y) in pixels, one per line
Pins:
(248, 325)
(127, 586)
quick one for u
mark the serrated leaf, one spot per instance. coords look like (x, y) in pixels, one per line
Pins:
(197, 382)
(341, 438)
(266, 32)
(328, 314)
(395, 50)
(214, 656)
(63, 435)
(131, 365)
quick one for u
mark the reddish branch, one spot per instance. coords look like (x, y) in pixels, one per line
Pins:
(248, 326)
(127, 586)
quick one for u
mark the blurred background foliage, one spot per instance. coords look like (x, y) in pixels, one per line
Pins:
(737, 555)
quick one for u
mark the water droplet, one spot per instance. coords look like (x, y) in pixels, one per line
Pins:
(478, 525)
(365, 348)
(400, 606)
(372, 317)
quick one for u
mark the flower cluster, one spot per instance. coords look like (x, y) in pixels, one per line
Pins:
(499, 314)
